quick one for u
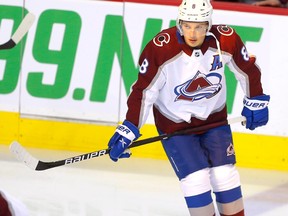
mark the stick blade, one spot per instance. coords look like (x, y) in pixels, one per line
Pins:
(8, 45)
(22, 155)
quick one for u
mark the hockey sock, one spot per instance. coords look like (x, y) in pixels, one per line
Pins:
(241, 213)
(230, 202)
(201, 204)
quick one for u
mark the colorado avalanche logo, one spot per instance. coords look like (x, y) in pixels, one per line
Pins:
(200, 86)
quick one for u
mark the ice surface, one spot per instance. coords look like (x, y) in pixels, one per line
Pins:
(131, 187)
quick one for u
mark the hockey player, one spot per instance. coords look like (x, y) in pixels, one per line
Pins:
(181, 75)
(10, 206)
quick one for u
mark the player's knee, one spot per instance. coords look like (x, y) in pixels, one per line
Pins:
(196, 183)
(196, 188)
(224, 178)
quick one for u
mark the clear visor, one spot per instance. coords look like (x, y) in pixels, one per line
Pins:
(197, 27)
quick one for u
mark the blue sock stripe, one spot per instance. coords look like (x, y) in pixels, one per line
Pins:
(199, 200)
(229, 195)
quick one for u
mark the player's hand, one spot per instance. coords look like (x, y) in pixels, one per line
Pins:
(124, 135)
(256, 111)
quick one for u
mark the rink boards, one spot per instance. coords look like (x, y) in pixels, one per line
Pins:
(255, 151)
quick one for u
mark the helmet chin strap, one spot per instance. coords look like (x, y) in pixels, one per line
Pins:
(217, 43)
(208, 33)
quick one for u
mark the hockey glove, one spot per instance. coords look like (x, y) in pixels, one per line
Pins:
(256, 111)
(124, 135)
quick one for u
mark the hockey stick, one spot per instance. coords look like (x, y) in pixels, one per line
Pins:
(22, 155)
(20, 32)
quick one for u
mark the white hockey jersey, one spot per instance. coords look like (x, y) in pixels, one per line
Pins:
(185, 86)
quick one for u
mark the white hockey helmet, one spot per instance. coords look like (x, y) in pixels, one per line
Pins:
(195, 11)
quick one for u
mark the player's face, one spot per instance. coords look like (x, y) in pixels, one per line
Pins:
(194, 32)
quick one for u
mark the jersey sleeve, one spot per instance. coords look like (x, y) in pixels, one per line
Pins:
(146, 89)
(244, 67)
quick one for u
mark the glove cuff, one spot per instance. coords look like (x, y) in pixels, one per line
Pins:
(256, 103)
(128, 130)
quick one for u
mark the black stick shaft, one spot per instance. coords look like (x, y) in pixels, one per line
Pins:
(48, 165)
